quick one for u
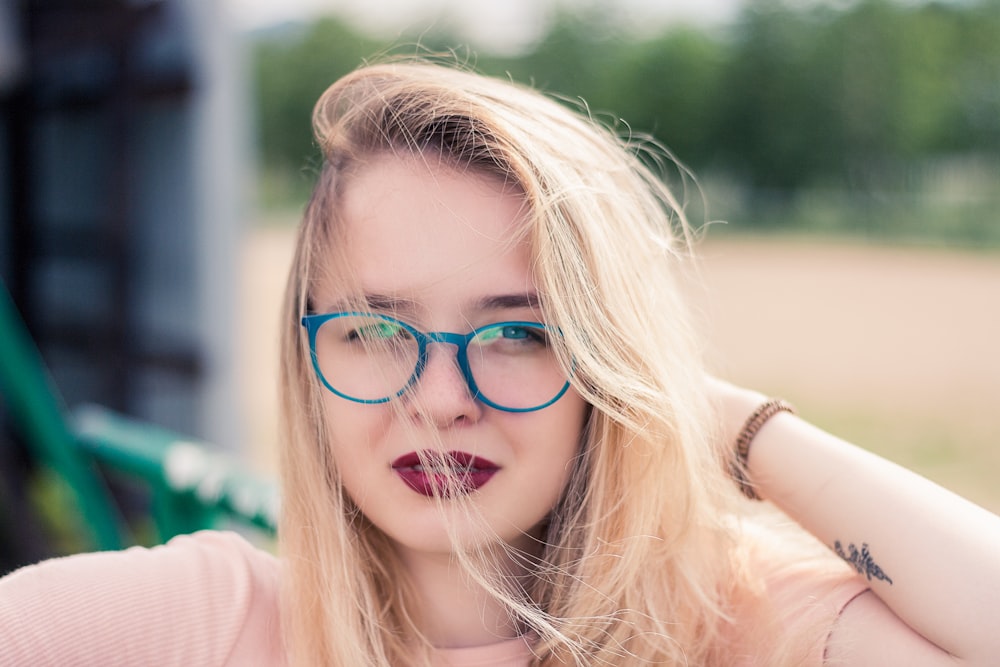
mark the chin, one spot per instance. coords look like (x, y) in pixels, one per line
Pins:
(466, 533)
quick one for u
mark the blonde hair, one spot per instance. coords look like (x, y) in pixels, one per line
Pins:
(642, 562)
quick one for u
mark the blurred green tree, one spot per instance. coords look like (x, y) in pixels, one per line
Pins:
(291, 69)
(670, 86)
(793, 98)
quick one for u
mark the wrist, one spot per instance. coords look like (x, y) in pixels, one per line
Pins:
(735, 405)
(750, 427)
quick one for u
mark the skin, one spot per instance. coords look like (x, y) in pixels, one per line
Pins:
(435, 242)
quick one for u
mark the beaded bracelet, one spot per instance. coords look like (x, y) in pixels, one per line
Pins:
(751, 426)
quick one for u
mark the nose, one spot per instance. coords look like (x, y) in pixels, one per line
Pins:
(442, 395)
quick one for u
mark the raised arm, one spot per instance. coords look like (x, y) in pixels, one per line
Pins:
(932, 558)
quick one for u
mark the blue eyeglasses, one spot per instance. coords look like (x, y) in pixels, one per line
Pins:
(373, 358)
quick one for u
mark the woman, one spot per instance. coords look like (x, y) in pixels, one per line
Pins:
(442, 190)
(501, 446)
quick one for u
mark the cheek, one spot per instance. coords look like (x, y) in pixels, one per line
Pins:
(571, 420)
(553, 446)
(353, 431)
(563, 432)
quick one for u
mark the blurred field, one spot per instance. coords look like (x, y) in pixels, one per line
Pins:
(894, 349)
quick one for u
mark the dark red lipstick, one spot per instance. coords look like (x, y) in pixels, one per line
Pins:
(431, 473)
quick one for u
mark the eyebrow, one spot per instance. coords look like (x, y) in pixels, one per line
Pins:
(377, 303)
(509, 301)
(395, 304)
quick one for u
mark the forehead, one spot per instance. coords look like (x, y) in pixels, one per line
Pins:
(417, 228)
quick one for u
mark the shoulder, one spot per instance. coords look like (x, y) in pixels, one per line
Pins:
(793, 593)
(804, 599)
(204, 598)
(812, 591)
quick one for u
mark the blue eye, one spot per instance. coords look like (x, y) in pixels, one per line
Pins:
(515, 332)
(512, 334)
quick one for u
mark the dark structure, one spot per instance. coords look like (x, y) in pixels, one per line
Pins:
(120, 142)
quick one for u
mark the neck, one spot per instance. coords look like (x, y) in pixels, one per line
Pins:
(454, 611)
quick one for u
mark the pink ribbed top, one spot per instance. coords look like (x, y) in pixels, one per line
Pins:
(211, 599)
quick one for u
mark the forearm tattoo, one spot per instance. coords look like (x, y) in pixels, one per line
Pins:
(862, 561)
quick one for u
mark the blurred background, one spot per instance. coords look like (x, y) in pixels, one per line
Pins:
(156, 155)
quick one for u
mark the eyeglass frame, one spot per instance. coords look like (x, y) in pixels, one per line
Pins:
(313, 322)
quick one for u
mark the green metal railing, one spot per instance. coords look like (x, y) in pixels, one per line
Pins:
(191, 486)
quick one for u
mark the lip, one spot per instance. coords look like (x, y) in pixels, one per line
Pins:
(470, 473)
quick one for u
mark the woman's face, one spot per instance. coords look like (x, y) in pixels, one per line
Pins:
(432, 246)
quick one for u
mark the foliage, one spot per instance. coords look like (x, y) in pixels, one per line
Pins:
(290, 74)
(871, 98)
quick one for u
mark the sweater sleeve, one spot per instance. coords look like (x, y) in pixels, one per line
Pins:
(203, 599)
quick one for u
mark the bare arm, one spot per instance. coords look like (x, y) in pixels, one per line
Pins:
(932, 558)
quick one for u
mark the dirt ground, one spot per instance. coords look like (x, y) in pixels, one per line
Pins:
(895, 349)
